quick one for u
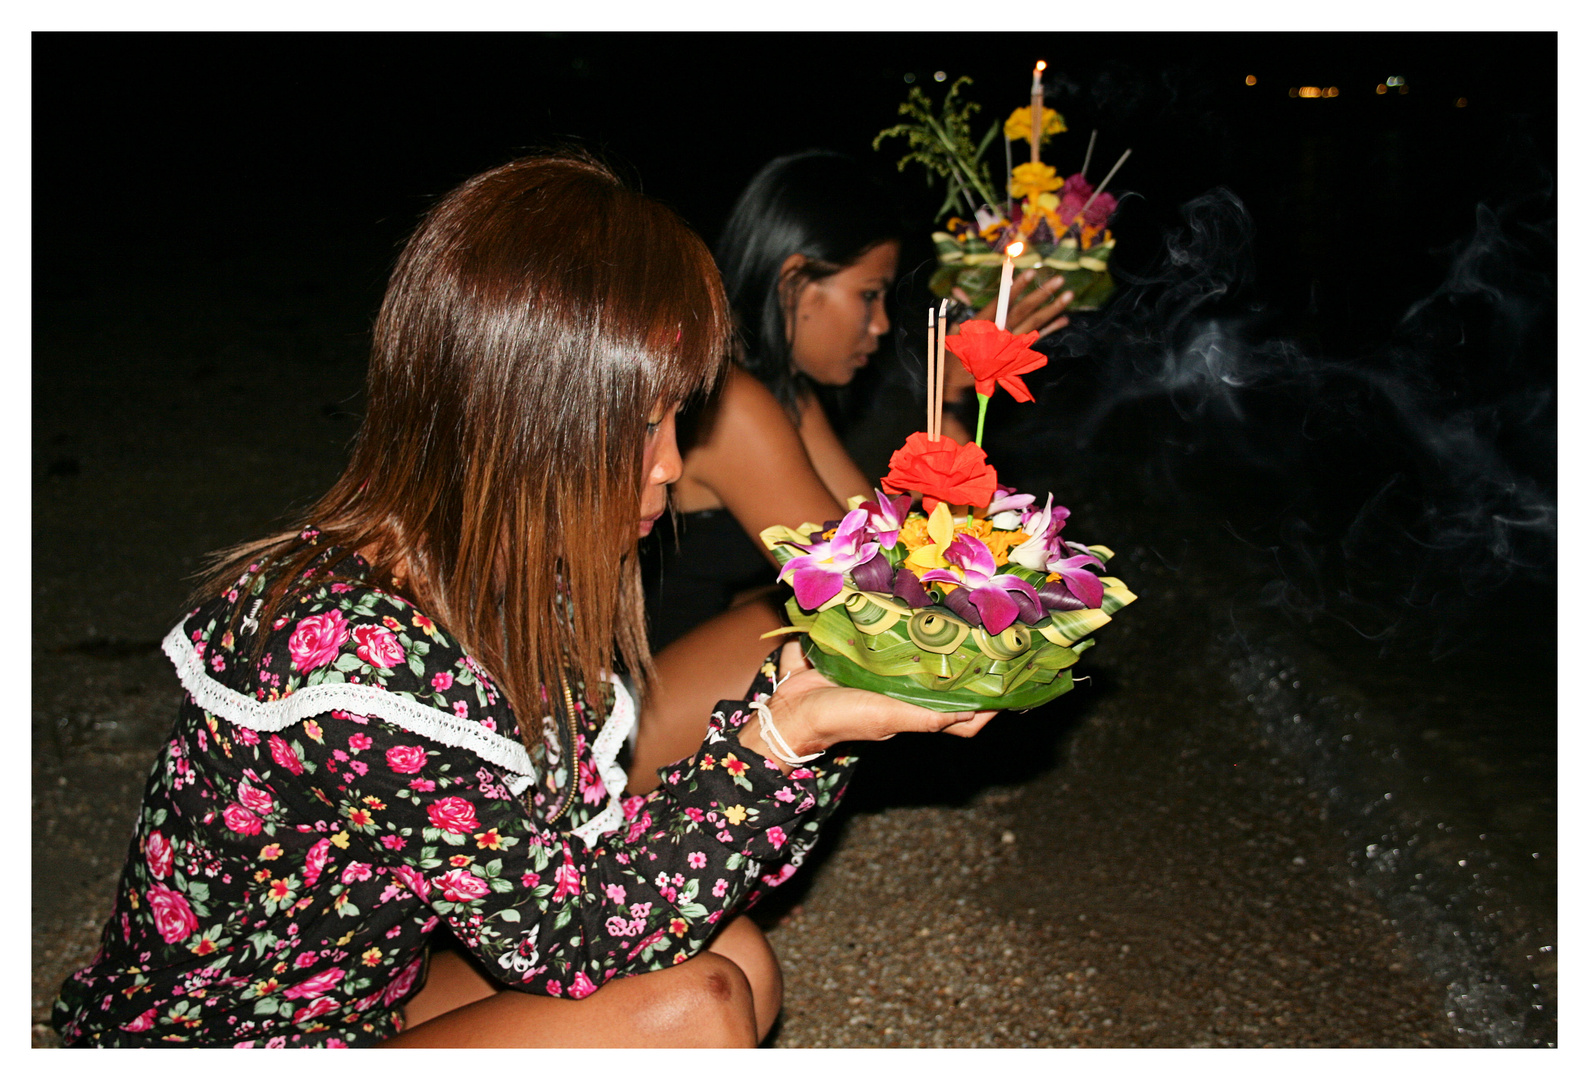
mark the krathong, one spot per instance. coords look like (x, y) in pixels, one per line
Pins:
(974, 602)
(1061, 220)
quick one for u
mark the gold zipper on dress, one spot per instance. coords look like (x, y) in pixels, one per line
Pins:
(569, 748)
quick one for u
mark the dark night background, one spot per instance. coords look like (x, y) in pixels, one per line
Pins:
(1322, 404)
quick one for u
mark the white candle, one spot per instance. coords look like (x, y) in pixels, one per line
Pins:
(1037, 109)
(1006, 278)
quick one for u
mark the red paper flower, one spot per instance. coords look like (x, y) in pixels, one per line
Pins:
(942, 470)
(993, 355)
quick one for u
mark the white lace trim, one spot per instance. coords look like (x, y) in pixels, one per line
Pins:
(365, 700)
(604, 751)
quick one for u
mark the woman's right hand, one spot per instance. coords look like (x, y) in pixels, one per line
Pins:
(1032, 307)
(812, 713)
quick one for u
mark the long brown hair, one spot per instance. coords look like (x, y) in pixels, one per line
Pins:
(533, 321)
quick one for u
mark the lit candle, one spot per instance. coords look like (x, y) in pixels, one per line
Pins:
(932, 376)
(1037, 108)
(1006, 277)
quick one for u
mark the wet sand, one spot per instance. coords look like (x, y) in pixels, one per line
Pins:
(1131, 866)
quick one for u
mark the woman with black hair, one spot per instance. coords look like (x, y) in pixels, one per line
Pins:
(808, 256)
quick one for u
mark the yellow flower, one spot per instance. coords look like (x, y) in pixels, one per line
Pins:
(1019, 125)
(1000, 542)
(735, 814)
(371, 956)
(340, 839)
(914, 532)
(270, 851)
(1034, 178)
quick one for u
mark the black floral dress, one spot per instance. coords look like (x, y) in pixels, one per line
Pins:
(317, 815)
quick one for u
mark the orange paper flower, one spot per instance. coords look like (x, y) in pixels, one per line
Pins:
(993, 356)
(942, 470)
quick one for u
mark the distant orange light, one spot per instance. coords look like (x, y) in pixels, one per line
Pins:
(1310, 92)
(1252, 80)
(1462, 103)
(1015, 249)
(1291, 92)
(1402, 89)
(1381, 88)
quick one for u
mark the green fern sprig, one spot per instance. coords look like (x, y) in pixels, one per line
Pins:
(943, 145)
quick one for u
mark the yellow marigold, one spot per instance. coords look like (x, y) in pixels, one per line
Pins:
(1000, 542)
(1034, 178)
(992, 233)
(914, 533)
(1019, 125)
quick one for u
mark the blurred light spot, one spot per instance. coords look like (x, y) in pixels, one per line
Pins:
(1462, 103)
(1395, 80)
(1402, 89)
(1310, 92)
(939, 76)
(1291, 92)
(910, 77)
(1380, 89)
(1334, 91)
(1252, 80)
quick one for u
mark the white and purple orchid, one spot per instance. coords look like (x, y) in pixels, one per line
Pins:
(886, 515)
(1002, 511)
(1042, 531)
(818, 575)
(990, 594)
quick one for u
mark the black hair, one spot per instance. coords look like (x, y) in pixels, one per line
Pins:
(819, 204)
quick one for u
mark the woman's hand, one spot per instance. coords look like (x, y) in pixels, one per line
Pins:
(812, 713)
(1038, 308)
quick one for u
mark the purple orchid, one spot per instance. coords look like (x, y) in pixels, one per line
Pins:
(887, 515)
(818, 575)
(1082, 583)
(1006, 501)
(988, 592)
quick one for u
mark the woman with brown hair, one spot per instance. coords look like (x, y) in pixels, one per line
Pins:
(401, 715)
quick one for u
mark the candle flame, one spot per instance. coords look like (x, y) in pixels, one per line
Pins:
(1042, 65)
(1015, 249)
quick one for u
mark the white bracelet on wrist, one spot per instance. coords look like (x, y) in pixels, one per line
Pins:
(780, 748)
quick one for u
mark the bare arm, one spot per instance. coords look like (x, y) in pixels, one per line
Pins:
(833, 464)
(750, 460)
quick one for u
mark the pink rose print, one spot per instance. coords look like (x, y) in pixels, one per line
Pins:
(241, 821)
(359, 742)
(441, 680)
(315, 862)
(314, 986)
(393, 843)
(582, 986)
(452, 814)
(422, 785)
(405, 759)
(404, 982)
(317, 1007)
(282, 755)
(355, 871)
(317, 639)
(172, 916)
(414, 880)
(246, 736)
(567, 878)
(158, 854)
(554, 988)
(377, 647)
(776, 836)
(142, 1022)
(253, 798)
(459, 884)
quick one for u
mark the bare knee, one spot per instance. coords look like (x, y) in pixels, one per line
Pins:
(707, 1003)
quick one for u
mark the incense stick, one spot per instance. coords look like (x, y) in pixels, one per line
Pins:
(1105, 182)
(943, 330)
(1086, 161)
(932, 339)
